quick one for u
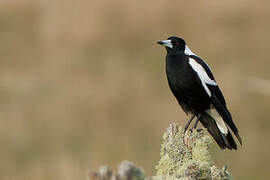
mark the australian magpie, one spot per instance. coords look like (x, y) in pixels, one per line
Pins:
(193, 84)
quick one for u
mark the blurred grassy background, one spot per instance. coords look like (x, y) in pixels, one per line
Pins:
(82, 83)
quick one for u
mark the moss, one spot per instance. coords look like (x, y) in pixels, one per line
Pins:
(183, 156)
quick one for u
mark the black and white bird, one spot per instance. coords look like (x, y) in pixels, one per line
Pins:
(193, 84)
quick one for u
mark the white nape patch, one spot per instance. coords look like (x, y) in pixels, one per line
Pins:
(220, 123)
(167, 43)
(188, 51)
(202, 75)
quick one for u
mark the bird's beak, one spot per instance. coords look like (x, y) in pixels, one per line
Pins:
(166, 43)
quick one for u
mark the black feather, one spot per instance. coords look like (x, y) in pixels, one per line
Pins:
(209, 123)
(229, 141)
(223, 140)
(194, 93)
(226, 116)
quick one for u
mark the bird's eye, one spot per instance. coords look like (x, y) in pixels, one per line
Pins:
(175, 43)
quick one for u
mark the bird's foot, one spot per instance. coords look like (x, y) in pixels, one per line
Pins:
(188, 123)
(197, 121)
(195, 124)
(196, 129)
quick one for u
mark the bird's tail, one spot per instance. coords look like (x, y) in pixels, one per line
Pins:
(215, 125)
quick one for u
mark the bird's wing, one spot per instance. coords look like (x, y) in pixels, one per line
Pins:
(205, 74)
(224, 140)
(217, 99)
(226, 116)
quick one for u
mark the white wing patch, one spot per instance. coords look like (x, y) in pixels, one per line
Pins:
(219, 121)
(188, 51)
(202, 75)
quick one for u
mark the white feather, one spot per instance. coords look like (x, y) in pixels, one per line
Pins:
(219, 121)
(188, 51)
(202, 75)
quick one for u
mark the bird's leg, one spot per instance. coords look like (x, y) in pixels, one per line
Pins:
(189, 121)
(196, 122)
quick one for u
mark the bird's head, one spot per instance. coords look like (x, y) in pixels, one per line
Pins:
(173, 44)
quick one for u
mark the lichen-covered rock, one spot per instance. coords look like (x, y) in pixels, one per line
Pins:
(104, 173)
(126, 171)
(183, 156)
(187, 156)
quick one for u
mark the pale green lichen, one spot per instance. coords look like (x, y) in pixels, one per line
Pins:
(183, 156)
(187, 155)
(128, 171)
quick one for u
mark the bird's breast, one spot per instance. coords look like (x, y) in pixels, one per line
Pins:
(178, 71)
(184, 84)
